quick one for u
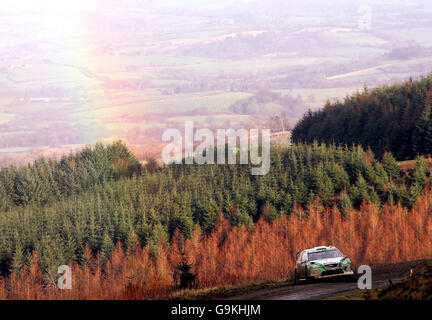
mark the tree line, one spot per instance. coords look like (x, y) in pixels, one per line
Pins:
(46, 180)
(394, 118)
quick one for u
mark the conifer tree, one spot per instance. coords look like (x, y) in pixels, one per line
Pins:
(420, 171)
(19, 258)
(422, 136)
(107, 248)
(390, 165)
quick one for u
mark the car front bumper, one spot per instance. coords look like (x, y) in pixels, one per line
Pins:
(335, 274)
(320, 273)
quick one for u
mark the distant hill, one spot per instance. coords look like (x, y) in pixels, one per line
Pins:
(393, 118)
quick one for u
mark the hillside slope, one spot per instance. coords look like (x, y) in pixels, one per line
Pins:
(416, 286)
(393, 118)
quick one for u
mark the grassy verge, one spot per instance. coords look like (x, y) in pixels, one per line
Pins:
(417, 286)
(227, 291)
(356, 295)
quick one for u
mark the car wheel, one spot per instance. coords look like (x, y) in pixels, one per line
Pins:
(296, 277)
(307, 277)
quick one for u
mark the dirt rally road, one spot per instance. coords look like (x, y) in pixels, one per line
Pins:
(328, 287)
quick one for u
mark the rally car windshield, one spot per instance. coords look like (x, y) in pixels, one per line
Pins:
(325, 254)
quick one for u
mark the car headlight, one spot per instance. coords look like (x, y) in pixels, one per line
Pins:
(346, 264)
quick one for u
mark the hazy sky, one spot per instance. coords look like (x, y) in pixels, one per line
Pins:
(56, 5)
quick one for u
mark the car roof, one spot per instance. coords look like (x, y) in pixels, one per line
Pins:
(320, 248)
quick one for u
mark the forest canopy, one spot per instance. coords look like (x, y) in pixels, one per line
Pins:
(101, 196)
(393, 119)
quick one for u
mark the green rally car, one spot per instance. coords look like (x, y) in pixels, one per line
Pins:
(322, 262)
